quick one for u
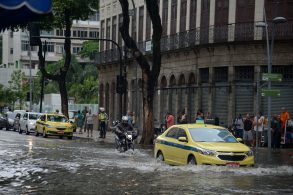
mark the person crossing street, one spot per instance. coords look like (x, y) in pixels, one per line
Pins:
(102, 117)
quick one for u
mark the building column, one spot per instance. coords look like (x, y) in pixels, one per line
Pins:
(231, 20)
(199, 89)
(169, 18)
(178, 16)
(232, 95)
(258, 16)
(144, 22)
(198, 17)
(188, 14)
(212, 20)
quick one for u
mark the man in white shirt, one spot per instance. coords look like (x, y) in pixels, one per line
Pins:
(258, 126)
(90, 123)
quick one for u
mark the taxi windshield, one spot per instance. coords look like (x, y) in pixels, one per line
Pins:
(211, 135)
(33, 116)
(56, 118)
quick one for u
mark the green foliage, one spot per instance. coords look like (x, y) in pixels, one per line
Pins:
(89, 49)
(18, 86)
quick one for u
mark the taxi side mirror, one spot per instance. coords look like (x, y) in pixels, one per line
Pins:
(239, 140)
(182, 139)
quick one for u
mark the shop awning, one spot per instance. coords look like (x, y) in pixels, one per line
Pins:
(15, 12)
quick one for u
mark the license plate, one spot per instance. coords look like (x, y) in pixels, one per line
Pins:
(60, 132)
(233, 164)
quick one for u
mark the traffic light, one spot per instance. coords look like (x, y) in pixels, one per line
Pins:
(34, 29)
(121, 84)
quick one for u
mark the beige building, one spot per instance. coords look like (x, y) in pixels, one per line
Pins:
(212, 56)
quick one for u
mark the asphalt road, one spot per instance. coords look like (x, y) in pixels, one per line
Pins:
(36, 165)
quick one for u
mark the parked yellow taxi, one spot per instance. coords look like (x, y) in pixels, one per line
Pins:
(201, 144)
(55, 125)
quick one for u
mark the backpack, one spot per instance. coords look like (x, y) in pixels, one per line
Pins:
(247, 125)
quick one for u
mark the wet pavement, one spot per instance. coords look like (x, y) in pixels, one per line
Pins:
(36, 165)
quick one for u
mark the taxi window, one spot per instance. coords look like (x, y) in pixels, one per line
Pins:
(181, 133)
(42, 118)
(172, 133)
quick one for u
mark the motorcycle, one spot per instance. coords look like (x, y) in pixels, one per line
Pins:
(125, 143)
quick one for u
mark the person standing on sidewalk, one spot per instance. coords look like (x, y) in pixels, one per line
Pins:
(79, 119)
(102, 117)
(239, 126)
(89, 123)
(84, 112)
(247, 133)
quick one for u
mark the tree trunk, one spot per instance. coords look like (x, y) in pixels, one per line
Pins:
(149, 73)
(64, 97)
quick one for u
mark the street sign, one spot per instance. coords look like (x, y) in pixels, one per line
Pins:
(271, 77)
(271, 92)
(148, 46)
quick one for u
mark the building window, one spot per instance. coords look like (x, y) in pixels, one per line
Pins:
(183, 15)
(221, 74)
(76, 50)
(82, 34)
(108, 33)
(165, 17)
(148, 26)
(204, 75)
(74, 33)
(114, 28)
(244, 73)
(140, 24)
(11, 50)
(93, 34)
(133, 26)
(193, 7)
(24, 45)
(59, 32)
(173, 17)
(205, 21)
(59, 49)
(50, 47)
(119, 34)
(102, 34)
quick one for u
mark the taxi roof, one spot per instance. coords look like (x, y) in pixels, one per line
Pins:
(201, 125)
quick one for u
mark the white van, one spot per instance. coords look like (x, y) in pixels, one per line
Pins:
(27, 122)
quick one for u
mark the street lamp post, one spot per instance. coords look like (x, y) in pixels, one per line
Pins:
(276, 20)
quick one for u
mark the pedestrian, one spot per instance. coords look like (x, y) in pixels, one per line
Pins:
(276, 131)
(182, 118)
(284, 117)
(84, 112)
(239, 126)
(89, 123)
(130, 118)
(169, 120)
(199, 115)
(258, 127)
(56, 111)
(102, 119)
(79, 121)
(247, 133)
(265, 132)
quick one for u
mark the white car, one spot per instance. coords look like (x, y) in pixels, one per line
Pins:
(27, 122)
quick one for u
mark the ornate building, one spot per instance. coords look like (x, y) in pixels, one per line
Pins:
(213, 54)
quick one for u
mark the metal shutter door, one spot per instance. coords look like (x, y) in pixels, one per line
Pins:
(285, 100)
(221, 104)
(204, 99)
(192, 100)
(244, 99)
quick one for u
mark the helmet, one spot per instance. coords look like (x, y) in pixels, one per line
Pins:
(124, 119)
(102, 109)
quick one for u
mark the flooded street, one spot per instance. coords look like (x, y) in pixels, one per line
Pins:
(35, 165)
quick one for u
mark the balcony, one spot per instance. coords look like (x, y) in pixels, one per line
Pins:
(240, 32)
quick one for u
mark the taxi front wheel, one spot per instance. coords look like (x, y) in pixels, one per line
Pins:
(44, 133)
(160, 156)
(191, 160)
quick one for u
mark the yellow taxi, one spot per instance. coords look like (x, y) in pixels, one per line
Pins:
(55, 125)
(201, 144)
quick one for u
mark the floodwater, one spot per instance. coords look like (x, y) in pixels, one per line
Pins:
(35, 165)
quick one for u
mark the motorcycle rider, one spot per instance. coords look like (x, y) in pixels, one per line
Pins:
(123, 127)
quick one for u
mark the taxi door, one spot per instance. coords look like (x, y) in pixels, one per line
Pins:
(183, 148)
(170, 148)
(40, 123)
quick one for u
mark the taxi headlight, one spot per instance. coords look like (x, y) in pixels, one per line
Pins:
(49, 126)
(31, 123)
(249, 153)
(207, 152)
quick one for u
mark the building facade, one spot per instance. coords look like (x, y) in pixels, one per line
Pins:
(15, 47)
(213, 55)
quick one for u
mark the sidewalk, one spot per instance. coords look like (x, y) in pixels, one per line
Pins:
(110, 137)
